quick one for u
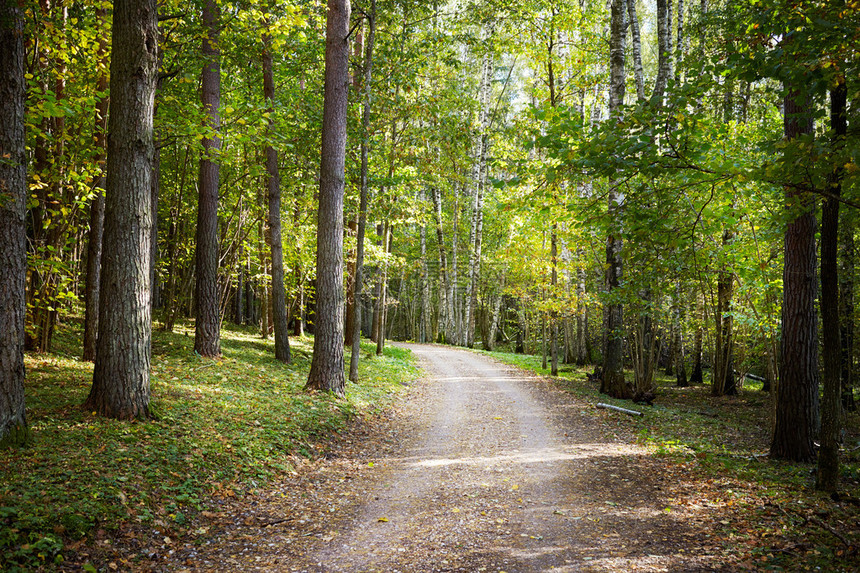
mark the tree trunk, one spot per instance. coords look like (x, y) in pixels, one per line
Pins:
(846, 306)
(613, 382)
(831, 405)
(797, 392)
(424, 325)
(121, 376)
(279, 296)
(678, 342)
(383, 290)
(553, 255)
(446, 311)
(362, 207)
(13, 233)
(723, 381)
(636, 46)
(207, 326)
(327, 372)
(696, 375)
(97, 210)
(480, 184)
(664, 49)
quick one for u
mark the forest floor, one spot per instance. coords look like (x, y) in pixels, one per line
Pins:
(483, 467)
(477, 466)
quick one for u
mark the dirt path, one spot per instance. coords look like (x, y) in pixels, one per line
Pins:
(483, 469)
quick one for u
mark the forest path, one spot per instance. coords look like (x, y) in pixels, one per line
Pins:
(483, 468)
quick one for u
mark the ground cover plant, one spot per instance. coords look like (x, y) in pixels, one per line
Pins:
(221, 427)
(772, 518)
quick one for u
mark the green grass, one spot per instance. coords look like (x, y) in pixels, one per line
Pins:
(219, 425)
(725, 440)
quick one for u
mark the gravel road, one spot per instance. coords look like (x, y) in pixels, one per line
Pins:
(502, 472)
(479, 468)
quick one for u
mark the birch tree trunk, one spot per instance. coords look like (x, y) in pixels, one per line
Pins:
(480, 184)
(613, 382)
(664, 49)
(636, 48)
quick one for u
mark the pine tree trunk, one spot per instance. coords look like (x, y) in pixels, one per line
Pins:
(362, 207)
(846, 306)
(121, 376)
(831, 405)
(207, 326)
(797, 392)
(279, 296)
(327, 372)
(13, 234)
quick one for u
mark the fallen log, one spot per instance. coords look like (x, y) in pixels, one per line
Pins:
(617, 409)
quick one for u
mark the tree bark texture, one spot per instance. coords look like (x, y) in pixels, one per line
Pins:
(664, 49)
(831, 405)
(797, 392)
(97, 211)
(480, 184)
(279, 297)
(121, 376)
(13, 234)
(446, 314)
(846, 306)
(327, 368)
(723, 382)
(362, 206)
(207, 326)
(613, 382)
(636, 48)
(382, 301)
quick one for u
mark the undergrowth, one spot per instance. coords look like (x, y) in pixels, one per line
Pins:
(722, 443)
(221, 425)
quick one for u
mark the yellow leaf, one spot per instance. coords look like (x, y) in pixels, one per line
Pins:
(383, 520)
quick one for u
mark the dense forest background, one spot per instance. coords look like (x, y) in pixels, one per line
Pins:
(640, 186)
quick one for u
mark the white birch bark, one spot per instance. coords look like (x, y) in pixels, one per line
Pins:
(480, 184)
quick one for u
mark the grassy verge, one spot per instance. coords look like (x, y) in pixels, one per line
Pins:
(776, 519)
(220, 425)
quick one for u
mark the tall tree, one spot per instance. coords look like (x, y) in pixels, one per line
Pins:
(613, 382)
(482, 148)
(831, 406)
(327, 368)
(362, 203)
(207, 326)
(279, 305)
(97, 207)
(13, 235)
(121, 377)
(797, 392)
